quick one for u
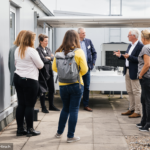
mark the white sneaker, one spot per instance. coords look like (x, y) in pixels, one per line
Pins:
(58, 135)
(74, 139)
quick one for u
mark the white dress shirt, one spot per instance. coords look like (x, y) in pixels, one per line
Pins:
(130, 51)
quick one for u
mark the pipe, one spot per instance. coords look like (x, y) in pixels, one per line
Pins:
(43, 7)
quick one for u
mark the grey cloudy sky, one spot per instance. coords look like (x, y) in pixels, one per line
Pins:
(135, 8)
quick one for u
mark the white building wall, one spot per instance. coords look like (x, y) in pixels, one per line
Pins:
(4, 49)
(26, 21)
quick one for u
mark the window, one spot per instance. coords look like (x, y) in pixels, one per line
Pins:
(12, 37)
(115, 7)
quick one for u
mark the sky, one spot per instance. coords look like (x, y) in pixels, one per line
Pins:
(135, 8)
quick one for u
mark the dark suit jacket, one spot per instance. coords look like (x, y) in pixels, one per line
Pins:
(91, 53)
(46, 72)
(133, 60)
(11, 63)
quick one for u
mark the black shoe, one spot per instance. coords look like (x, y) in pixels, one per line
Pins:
(145, 128)
(139, 125)
(44, 110)
(32, 132)
(53, 108)
(21, 132)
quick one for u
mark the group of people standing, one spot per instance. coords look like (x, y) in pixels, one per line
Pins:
(137, 76)
(32, 76)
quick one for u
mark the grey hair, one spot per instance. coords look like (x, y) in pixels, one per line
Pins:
(135, 32)
(79, 29)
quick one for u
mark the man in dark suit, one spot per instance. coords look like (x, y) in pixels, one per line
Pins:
(130, 71)
(91, 55)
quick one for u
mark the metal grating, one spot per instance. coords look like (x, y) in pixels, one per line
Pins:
(112, 60)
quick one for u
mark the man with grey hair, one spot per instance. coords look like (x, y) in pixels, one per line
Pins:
(90, 55)
(130, 71)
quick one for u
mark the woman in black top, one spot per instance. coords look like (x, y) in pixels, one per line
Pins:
(46, 56)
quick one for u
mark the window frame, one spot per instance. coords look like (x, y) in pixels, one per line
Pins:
(13, 10)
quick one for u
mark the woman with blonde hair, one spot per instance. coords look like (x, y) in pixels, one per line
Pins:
(28, 63)
(144, 77)
(70, 92)
(11, 63)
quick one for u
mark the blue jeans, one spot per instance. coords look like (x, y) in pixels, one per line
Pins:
(86, 80)
(71, 98)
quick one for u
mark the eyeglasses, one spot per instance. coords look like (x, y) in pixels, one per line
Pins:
(129, 35)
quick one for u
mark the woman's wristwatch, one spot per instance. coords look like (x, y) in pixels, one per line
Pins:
(140, 76)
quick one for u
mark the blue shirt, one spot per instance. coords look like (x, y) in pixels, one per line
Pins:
(83, 47)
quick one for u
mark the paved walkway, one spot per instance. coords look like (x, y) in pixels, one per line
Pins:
(102, 129)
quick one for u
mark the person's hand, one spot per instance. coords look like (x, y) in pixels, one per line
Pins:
(93, 64)
(140, 77)
(118, 54)
(48, 57)
(126, 55)
(52, 55)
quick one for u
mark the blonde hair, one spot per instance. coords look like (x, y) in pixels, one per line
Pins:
(27, 40)
(145, 34)
(18, 39)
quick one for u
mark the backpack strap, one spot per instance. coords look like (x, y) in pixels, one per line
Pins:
(79, 78)
(78, 70)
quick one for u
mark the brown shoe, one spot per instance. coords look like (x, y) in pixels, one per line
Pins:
(88, 108)
(134, 115)
(129, 112)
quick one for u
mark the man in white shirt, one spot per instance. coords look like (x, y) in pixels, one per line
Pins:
(130, 71)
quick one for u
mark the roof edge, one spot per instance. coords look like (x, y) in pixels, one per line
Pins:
(43, 7)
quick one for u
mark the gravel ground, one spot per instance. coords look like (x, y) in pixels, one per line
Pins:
(138, 142)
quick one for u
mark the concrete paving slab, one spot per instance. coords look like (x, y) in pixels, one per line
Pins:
(75, 146)
(84, 131)
(53, 116)
(98, 139)
(126, 120)
(128, 127)
(105, 120)
(40, 146)
(110, 147)
(102, 129)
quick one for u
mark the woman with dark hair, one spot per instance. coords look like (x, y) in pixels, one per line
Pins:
(28, 63)
(46, 56)
(70, 92)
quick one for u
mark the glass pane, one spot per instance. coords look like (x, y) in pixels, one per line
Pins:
(115, 7)
(12, 39)
(12, 28)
